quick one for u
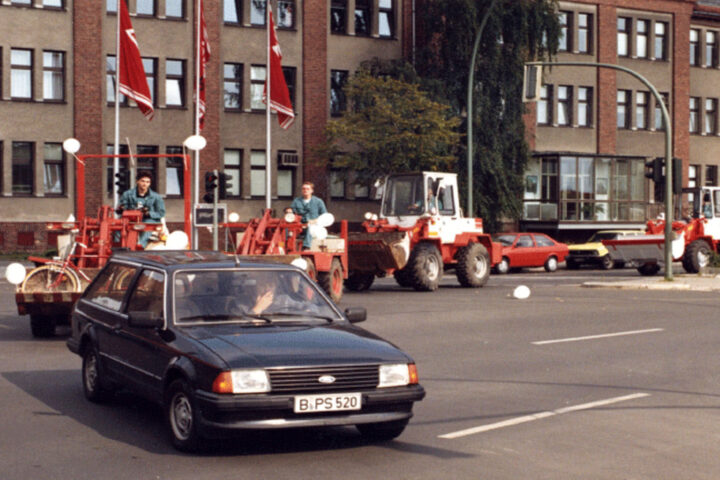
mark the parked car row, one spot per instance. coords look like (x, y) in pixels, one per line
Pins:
(529, 249)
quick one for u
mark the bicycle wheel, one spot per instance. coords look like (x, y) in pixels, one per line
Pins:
(50, 278)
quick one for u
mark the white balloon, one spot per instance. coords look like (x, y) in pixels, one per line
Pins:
(325, 220)
(317, 232)
(300, 263)
(233, 217)
(71, 145)
(521, 292)
(177, 240)
(15, 273)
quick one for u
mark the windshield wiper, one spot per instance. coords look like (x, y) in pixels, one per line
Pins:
(299, 314)
(225, 316)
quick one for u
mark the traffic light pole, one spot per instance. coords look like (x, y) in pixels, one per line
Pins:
(215, 212)
(668, 148)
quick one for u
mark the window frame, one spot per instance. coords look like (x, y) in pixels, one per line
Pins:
(143, 14)
(174, 164)
(253, 16)
(235, 171)
(292, 6)
(257, 85)
(710, 111)
(711, 49)
(21, 170)
(625, 104)
(695, 47)
(237, 80)
(14, 67)
(237, 11)
(363, 10)
(257, 167)
(58, 162)
(389, 14)
(565, 105)
(171, 78)
(642, 110)
(624, 32)
(54, 70)
(642, 50)
(338, 99)
(181, 4)
(694, 114)
(565, 42)
(546, 99)
(338, 6)
(110, 79)
(587, 47)
(585, 120)
(662, 38)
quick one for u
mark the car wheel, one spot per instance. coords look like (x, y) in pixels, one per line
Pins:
(473, 266)
(551, 264)
(619, 264)
(425, 267)
(382, 431)
(696, 256)
(92, 376)
(648, 269)
(42, 326)
(607, 262)
(181, 417)
(359, 281)
(503, 266)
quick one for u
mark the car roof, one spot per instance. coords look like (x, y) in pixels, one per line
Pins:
(629, 230)
(176, 259)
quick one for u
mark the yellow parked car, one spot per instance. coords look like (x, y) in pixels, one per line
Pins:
(593, 252)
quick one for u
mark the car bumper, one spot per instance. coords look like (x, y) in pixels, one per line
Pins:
(220, 415)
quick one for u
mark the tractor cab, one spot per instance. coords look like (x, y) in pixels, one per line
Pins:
(705, 202)
(408, 196)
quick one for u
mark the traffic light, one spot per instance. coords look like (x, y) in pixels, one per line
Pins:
(122, 180)
(225, 182)
(211, 183)
(654, 170)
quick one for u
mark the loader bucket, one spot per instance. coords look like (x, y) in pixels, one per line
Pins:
(380, 251)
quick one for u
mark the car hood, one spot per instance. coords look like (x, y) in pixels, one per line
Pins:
(280, 345)
(586, 246)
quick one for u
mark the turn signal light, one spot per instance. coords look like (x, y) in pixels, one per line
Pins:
(223, 383)
(413, 374)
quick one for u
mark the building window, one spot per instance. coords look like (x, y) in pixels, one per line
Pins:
(257, 84)
(362, 18)
(289, 73)
(338, 17)
(54, 169)
(623, 36)
(565, 39)
(257, 173)
(641, 38)
(21, 2)
(585, 106)
(584, 42)
(693, 175)
(148, 164)
(710, 49)
(660, 41)
(641, 110)
(659, 120)
(564, 116)
(110, 81)
(23, 166)
(285, 182)
(544, 105)
(232, 11)
(232, 85)
(711, 175)
(257, 12)
(175, 83)
(150, 72)
(53, 76)
(21, 77)
(694, 47)
(175, 8)
(710, 116)
(338, 101)
(386, 19)
(337, 184)
(623, 104)
(145, 8)
(111, 6)
(174, 172)
(286, 14)
(232, 165)
(694, 115)
(52, 3)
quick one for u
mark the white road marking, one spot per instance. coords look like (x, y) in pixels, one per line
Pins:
(594, 337)
(540, 415)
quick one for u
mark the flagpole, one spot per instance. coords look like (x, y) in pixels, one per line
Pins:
(196, 169)
(116, 145)
(268, 101)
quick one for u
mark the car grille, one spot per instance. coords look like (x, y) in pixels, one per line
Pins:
(306, 379)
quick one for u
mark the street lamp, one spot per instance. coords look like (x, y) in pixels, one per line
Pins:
(195, 143)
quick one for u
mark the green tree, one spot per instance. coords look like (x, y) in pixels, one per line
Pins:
(516, 30)
(391, 126)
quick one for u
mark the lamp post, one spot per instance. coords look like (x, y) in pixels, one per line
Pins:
(195, 143)
(471, 81)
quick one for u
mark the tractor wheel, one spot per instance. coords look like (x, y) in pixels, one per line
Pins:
(310, 269)
(42, 326)
(551, 264)
(503, 266)
(648, 269)
(332, 280)
(402, 277)
(606, 262)
(696, 256)
(473, 265)
(359, 281)
(425, 267)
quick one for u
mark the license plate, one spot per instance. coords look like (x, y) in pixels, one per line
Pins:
(331, 402)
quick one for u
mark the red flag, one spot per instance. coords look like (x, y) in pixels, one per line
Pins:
(204, 54)
(131, 74)
(279, 94)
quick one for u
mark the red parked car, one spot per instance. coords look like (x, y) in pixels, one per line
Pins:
(529, 250)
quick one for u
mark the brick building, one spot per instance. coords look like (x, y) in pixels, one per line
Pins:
(57, 59)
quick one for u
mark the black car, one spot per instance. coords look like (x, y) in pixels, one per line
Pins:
(227, 346)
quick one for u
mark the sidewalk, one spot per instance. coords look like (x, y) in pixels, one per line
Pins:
(696, 282)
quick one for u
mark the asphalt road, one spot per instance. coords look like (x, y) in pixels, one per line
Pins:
(571, 383)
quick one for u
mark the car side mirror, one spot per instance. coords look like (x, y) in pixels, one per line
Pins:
(356, 314)
(144, 319)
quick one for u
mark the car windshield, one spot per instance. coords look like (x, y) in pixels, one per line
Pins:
(248, 296)
(506, 240)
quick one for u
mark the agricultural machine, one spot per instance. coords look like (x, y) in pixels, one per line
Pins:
(48, 292)
(695, 238)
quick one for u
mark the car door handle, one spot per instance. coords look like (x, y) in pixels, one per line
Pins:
(117, 327)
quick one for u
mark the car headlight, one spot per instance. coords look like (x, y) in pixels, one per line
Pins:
(242, 381)
(397, 375)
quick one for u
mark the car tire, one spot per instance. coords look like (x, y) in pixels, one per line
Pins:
(473, 266)
(697, 256)
(359, 281)
(382, 431)
(332, 280)
(425, 267)
(571, 264)
(606, 262)
(648, 269)
(551, 264)
(503, 266)
(92, 377)
(42, 326)
(181, 417)
(619, 264)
